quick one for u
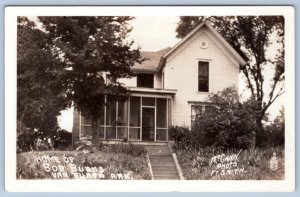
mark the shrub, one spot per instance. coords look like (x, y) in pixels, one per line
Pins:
(128, 149)
(31, 139)
(228, 124)
(273, 134)
(62, 139)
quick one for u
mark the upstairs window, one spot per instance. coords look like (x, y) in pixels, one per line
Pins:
(145, 80)
(203, 74)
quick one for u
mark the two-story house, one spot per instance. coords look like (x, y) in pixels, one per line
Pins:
(171, 86)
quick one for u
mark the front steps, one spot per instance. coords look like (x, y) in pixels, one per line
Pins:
(162, 163)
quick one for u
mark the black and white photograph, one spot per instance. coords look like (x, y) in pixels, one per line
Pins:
(183, 96)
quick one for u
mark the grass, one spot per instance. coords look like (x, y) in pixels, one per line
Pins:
(253, 164)
(111, 165)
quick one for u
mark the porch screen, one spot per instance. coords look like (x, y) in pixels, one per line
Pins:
(86, 127)
(134, 124)
(122, 120)
(161, 119)
(111, 120)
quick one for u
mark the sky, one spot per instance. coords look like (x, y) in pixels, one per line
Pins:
(156, 33)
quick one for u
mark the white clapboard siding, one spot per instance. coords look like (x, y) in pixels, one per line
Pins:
(129, 82)
(181, 73)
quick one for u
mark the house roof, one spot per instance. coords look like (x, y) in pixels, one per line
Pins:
(151, 62)
(155, 61)
(227, 46)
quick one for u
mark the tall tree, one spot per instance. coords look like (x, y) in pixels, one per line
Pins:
(251, 37)
(91, 47)
(40, 98)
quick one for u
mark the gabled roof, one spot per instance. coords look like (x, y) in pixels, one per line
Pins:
(227, 46)
(155, 61)
(152, 60)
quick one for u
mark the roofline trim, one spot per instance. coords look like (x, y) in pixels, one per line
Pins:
(218, 36)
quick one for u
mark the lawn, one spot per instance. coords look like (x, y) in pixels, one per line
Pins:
(253, 164)
(83, 164)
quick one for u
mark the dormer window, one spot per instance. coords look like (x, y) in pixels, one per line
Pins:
(145, 80)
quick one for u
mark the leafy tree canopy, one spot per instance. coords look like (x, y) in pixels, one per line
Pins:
(40, 97)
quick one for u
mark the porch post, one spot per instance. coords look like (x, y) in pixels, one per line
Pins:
(128, 117)
(141, 117)
(155, 120)
(104, 129)
(167, 111)
(116, 120)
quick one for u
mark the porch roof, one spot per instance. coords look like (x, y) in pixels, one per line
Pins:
(152, 90)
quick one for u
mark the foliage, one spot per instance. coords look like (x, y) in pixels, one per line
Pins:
(251, 36)
(65, 61)
(62, 139)
(226, 123)
(273, 134)
(33, 140)
(128, 149)
(90, 48)
(181, 136)
(28, 168)
(40, 96)
(255, 163)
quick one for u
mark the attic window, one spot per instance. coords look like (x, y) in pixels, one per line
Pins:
(145, 80)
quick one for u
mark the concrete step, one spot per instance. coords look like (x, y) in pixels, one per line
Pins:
(164, 168)
(163, 177)
(165, 174)
(166, 159)
(162, 163)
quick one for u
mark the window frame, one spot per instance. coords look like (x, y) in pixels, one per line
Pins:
(207, 62)
(142, 85)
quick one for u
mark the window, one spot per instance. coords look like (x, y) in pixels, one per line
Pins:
(198, 111)
(203, 74)
(145, 80)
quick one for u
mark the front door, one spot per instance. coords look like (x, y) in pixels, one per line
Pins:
(148, 124)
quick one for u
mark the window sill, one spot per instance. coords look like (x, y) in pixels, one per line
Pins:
(202, 92)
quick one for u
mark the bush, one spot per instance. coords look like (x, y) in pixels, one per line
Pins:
(62, 139)
(128, 149)
(29, 139)
(228, 124)
(273, 134)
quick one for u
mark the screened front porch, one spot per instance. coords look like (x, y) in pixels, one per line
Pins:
(140, 118)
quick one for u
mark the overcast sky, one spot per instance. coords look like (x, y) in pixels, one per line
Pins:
(153, 34)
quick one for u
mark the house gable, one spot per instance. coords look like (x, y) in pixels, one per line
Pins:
(181, 72)
(207, 28)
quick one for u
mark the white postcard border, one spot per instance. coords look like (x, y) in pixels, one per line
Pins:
(12, 184)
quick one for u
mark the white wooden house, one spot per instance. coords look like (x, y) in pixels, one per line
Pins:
(169, 89)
